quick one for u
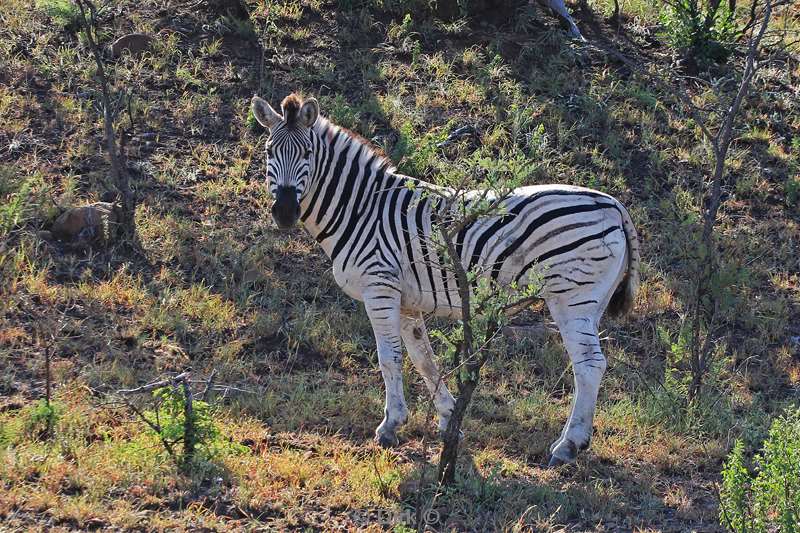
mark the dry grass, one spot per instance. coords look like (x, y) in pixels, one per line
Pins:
(216, 287)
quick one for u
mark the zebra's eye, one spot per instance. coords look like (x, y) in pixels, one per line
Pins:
(307, 154)
(269, 151)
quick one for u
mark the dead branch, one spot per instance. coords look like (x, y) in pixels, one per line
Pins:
(180, 378)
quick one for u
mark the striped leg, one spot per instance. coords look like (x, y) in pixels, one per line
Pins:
(559, 7)
(382, 303)
(578, 327)
(415, 337)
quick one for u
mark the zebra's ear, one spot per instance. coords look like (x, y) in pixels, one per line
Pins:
(265, 115)
(309, 112)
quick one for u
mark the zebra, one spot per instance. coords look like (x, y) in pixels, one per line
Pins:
(374, 228)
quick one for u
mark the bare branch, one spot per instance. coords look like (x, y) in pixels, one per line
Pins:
(157, 384)
(156, 427)
(709, 262)
(725, 133)
(208, 388)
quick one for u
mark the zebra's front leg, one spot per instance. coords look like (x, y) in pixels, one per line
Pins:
(383, 309)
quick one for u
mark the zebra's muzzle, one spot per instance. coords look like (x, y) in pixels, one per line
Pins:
(286, 209)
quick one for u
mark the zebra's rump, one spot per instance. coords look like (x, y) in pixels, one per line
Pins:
(569, 241)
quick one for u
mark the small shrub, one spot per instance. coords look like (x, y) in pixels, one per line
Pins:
(171, 414)
(41, 417)
(701, 32)
(770, 499)
(63, 12)
(169, 422)
(416, 155)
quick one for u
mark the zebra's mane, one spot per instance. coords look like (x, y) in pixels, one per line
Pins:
(326, 128)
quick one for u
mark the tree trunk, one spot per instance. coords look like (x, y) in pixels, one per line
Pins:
(448, 459)
(189, 433)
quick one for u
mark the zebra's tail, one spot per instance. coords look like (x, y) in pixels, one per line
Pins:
(623, 298)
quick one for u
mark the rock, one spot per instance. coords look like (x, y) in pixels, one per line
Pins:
(135, 44)
(86, 225)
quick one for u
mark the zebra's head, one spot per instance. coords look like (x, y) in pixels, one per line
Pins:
(289, 153)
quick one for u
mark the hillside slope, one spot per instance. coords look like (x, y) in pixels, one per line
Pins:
(215, 287)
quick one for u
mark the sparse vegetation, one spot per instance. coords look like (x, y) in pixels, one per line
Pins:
(467, 346)
(216, 287)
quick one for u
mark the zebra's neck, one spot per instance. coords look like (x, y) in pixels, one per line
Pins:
(348, 173)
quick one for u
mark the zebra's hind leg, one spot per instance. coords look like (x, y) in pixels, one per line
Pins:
(578, 327)
(415, 337)
(382, 303)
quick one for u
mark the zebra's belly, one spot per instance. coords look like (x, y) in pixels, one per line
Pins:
(349, 281)
(440, 306)
(445, 304)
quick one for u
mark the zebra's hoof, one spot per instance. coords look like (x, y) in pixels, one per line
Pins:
(565, 453)
(387, 440)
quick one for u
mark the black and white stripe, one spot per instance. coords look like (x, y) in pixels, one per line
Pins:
(581, 243)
